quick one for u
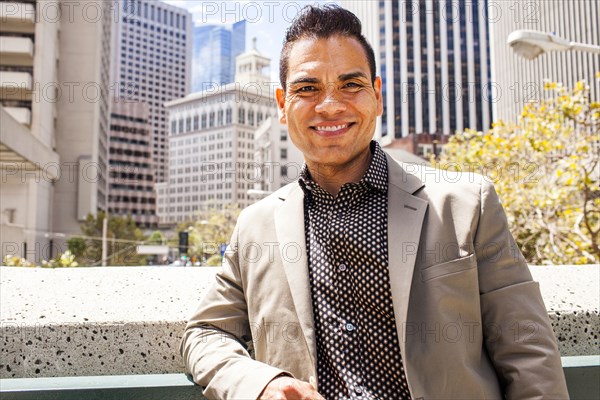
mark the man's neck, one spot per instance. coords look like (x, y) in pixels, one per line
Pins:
(332, 177)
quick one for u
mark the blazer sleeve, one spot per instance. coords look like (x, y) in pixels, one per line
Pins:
(517, 331)
(213, 346)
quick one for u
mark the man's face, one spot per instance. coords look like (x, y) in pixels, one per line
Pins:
(330, 104)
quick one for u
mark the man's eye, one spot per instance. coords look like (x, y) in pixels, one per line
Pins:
(305, 89)
(353, 85)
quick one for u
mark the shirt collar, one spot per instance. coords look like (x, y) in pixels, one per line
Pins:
(376, 176)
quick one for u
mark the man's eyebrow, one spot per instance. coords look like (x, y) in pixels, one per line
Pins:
(352, 75)
(342, 77)
(304, 80)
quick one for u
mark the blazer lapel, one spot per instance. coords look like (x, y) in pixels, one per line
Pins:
(289, 226)
(405, 220)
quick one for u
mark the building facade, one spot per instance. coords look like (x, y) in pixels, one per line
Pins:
(28, 54)
(215, 50)
(212, 143)
(131, 173)
(152, 64)
(518, 80)
(54, 74)
(434, 61)
(280, 161)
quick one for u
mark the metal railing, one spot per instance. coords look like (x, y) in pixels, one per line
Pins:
(582, 374)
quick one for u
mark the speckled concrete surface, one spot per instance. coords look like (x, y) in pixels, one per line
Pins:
(572, 297)
(96, 321)
(113, 321)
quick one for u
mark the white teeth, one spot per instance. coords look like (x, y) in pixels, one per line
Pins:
(331, 128)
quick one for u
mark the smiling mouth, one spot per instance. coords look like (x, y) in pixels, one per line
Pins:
(332, 129)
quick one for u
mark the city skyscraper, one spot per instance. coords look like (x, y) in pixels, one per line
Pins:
(131, 176)
(53, 122)
(518, 80)
(152, 61)
(434, 63)
(215, 50)
(212, 57)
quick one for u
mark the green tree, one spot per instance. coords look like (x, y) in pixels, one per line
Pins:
(209, 229)
(156, 238)
(77, 246)
(545, 169)
(122, 237)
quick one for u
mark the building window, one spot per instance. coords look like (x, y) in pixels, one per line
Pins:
(283, 154)
(251, 118)
(228, 114)
(241, 116)
(283, 136)
(259, 118)
(196, 122)
(203, 121)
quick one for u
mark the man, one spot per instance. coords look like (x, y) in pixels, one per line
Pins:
(367, 278)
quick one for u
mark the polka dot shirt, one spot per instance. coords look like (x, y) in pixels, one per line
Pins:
(357, 341)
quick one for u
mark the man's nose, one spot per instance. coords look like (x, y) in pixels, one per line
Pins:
(330, 103)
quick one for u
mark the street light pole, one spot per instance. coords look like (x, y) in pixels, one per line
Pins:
(530, 44)
(104, 240)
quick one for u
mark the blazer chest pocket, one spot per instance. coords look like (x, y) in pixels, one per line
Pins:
(448, 267)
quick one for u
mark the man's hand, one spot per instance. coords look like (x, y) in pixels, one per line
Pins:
(287, 388)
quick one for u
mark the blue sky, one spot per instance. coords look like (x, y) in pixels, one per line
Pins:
(266, 20)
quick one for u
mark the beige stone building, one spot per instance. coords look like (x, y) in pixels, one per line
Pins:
(212, 143)
(54, 79)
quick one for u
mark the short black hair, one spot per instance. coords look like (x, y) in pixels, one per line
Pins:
(323, 22)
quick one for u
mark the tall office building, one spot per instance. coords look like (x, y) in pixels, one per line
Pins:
(215, 50)
(152, 63)
(212, 143)
(518, 80)
(212, 57)
(434, 63)
(28, 58)
(53, 121)
(131, 176)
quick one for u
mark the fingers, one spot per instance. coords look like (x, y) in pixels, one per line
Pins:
(287, 388)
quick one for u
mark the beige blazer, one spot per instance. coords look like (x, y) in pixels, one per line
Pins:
(471, 322)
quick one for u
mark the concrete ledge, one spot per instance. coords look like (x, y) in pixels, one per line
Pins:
(129, 320)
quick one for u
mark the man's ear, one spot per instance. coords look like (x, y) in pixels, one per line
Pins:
(378, 96)
(280, 97)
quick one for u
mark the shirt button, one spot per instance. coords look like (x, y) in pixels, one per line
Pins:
(350, 327)
(342, 267)
(358, 390)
